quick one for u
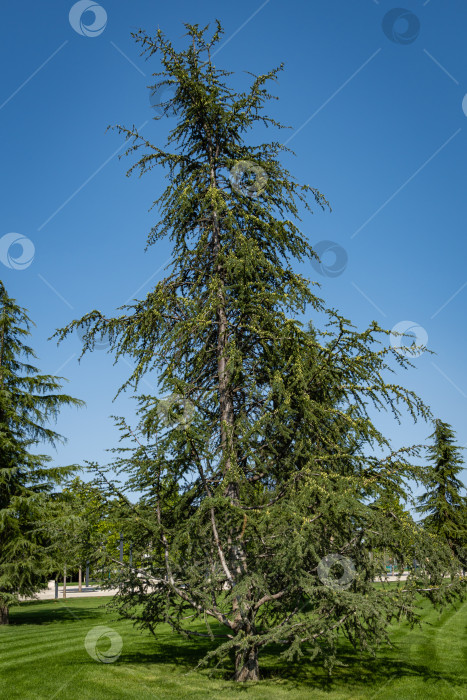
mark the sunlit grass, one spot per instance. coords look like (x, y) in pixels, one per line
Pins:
(42, 655)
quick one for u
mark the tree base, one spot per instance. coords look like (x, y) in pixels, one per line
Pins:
(246, 666)
(4, 615)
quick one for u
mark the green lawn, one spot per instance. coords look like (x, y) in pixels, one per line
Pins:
(42, 655)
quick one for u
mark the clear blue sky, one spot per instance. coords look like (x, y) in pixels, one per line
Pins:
(378, 126)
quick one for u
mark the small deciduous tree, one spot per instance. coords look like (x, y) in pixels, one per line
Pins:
(74, 526)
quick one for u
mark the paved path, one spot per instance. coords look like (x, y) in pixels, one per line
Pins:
(96, 591)
(72, 592)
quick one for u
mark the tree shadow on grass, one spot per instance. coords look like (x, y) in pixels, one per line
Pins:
(48, 612)
(166, 649)
(357, 674)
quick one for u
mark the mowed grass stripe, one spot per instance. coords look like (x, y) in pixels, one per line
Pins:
(454, 627)
(47, 653)
(29, 651)
(31, 642)
(32, 632)
(48, 660)
(434, 655)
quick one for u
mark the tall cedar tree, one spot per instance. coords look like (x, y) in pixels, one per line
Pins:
(443, 504)
(28, 402)
(271, 533)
